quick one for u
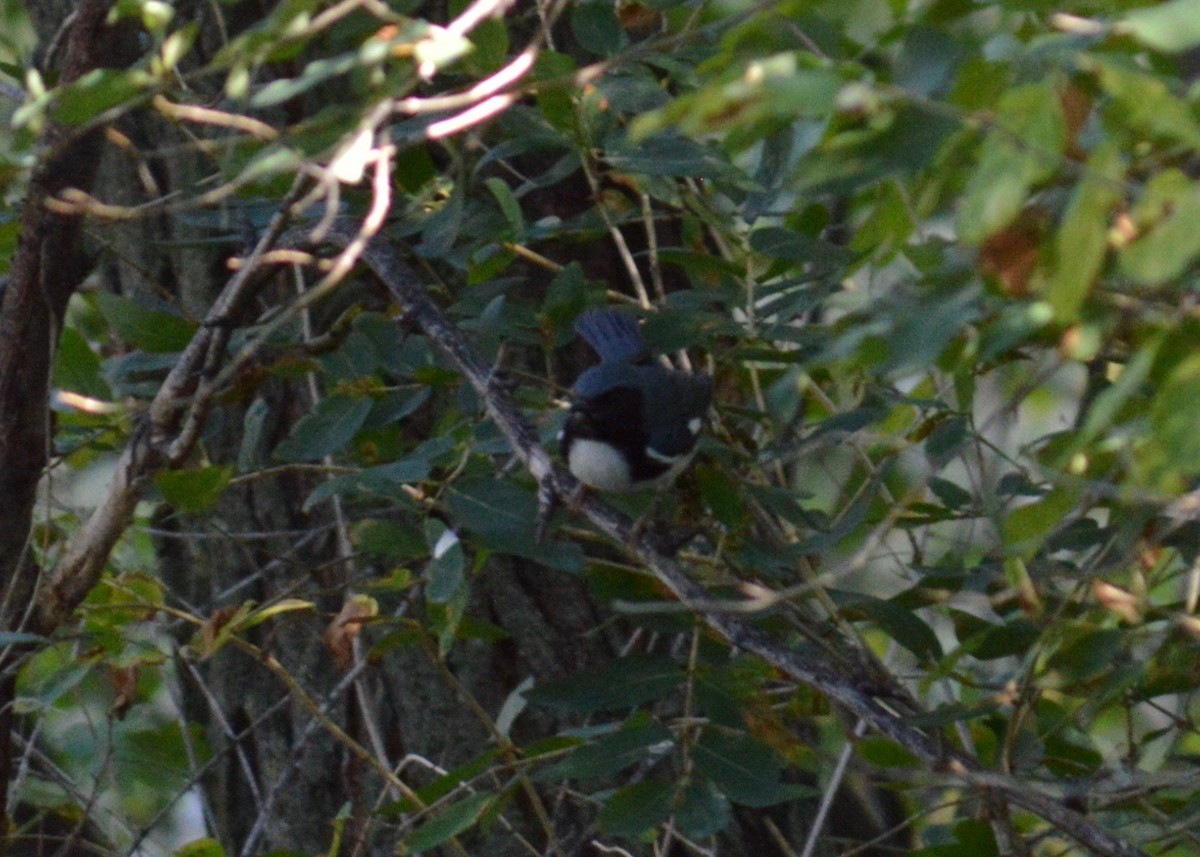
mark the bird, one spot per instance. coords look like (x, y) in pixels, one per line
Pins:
(633, 424)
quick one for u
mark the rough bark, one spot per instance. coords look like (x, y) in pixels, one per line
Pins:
(47, 268)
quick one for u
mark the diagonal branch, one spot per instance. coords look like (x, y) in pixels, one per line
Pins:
(860, 695)
(175, 418)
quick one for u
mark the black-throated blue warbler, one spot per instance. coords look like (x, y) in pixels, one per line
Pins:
(633, 423)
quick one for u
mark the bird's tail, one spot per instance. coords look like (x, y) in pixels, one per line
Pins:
(614, 335)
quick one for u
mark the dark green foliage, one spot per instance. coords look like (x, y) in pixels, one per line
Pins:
(942, 261)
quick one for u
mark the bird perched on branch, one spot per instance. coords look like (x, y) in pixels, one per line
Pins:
(633, 423)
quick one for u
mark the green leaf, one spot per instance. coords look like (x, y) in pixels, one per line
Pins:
(502, 515)
(97, 91)
(201, 848)
(883, 752)
(793, 246)
(898, 620)
(1172, 27)
(256, 425)
(783, 87)
(177, 46)
(908, 143)
(194, 490)
(1082, 240)
(272, 161)
(327, 429)
(53, 672)
(1087, 652)
(450, 822)
(744, 768)
(448, 782)
(77, 367)
(1027, 526)
(1110, 401)
(565, 299)
(952, 495)
(155, 757)
(973, 838)
(442, 228)
(277, 608)
(920, 335)
(620, 684)
(508, 204)
(1169, 243)
(947, 438)
(610, 754)
(703, 810)
(595, 27)
(154, 331)
(316, 72)
(1025, 146)
(1174, 413)
(669, 154)
(637, 808)
(444, 575)
(385, 480)
(1143, 102)
(1002, 640)
(721, 496)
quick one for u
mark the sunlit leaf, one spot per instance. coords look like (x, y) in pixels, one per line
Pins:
(1172, 26)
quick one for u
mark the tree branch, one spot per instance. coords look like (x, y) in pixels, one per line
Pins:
(859, 694)
(175, 417)
(47, 268)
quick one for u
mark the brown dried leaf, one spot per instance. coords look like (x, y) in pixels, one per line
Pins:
(124, 681)
(637, 19)
(339, 635)
(1011, 255)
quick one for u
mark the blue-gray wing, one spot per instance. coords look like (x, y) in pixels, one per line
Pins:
(614, 335)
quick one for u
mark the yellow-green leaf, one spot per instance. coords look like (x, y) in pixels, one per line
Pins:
(1083, 238)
